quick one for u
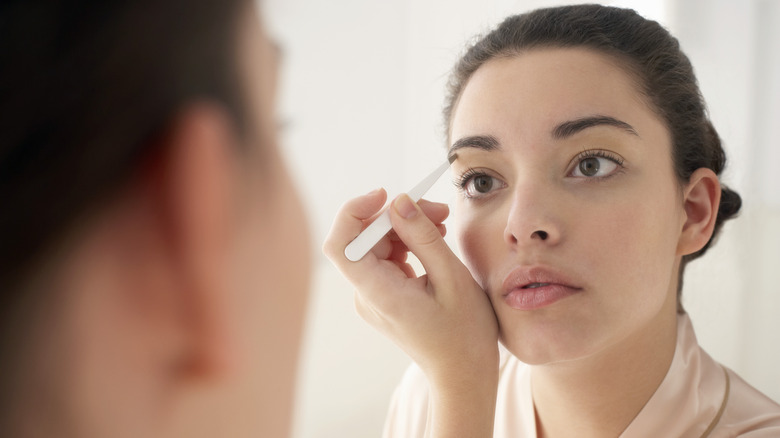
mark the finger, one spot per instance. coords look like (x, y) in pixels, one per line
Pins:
(384, 248)
(407, 269)
(350, 221)
(400, 252)
(423, 238)
(394, 237)
(436, 211)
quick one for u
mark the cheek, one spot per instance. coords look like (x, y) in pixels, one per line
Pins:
(275, 257)
(480, 237)
(270, 274)
(633, 244)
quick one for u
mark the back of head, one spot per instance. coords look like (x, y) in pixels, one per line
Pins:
(85, 86)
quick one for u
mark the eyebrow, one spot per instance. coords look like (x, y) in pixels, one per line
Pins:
(484, 142)
(560, 132)
(572, 127)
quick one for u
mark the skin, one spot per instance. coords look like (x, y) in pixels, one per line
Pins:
(598, 353)
(441, 319)
(616, 236)
(177, 309)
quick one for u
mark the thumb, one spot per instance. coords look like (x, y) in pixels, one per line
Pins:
(422, 237)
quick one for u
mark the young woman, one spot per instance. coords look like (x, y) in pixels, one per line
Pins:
(153, 257)
(588, 173)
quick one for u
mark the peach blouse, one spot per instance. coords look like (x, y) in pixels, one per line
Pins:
(697, 398)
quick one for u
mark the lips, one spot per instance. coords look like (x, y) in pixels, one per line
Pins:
(535, 285)
(529, 288)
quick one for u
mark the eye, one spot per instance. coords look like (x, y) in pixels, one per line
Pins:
(478, 184)
(596, 164)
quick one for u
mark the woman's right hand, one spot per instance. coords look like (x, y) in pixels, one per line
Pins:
(442, 319)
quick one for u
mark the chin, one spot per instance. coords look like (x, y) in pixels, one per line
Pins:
(537, 346)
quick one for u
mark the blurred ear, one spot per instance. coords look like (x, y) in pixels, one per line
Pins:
(193, 182)
(144, 312)
(701, 201)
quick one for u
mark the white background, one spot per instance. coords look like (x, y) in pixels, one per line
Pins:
(363, 86)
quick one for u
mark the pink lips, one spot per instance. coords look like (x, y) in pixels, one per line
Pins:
(529, 288)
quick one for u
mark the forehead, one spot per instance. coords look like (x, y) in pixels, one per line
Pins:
(543, 87)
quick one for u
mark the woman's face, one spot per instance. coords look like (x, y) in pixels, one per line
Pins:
(570, 210)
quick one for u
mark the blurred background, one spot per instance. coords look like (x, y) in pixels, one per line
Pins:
(363, 86)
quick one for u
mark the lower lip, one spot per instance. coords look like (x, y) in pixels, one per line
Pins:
(535, 298)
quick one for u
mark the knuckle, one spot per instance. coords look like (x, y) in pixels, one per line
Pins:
(428, 236)
(329, 248)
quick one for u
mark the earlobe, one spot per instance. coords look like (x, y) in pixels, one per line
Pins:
(701, 199)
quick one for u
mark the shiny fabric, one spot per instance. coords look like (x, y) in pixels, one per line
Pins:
(686, 404)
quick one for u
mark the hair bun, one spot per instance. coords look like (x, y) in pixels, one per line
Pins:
(730, 204)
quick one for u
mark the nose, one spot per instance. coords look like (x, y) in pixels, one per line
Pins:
(532, 218)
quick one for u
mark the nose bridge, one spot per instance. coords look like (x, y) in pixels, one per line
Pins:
(531, 214)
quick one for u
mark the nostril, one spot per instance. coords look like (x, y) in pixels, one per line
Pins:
(541, 234)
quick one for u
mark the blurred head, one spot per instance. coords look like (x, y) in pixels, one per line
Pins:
(586, 148)
(154, 264)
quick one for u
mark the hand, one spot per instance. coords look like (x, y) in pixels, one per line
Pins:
(442, 319)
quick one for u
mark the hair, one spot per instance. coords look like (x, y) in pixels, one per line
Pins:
(648, 52)
(85, 87)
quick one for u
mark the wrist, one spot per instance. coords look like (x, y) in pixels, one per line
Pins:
(466, 373)
(464, 405)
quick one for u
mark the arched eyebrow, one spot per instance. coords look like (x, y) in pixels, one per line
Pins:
(571, 127)
(484, 142)
(560, 132)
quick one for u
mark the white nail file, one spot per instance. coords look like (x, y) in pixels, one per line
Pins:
(381, 226)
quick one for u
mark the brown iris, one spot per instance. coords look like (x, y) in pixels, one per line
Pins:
(590, 166)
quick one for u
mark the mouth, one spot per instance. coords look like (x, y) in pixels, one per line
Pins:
(535, 285)
(529, 288)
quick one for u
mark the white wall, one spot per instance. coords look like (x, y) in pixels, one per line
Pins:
(363, 88)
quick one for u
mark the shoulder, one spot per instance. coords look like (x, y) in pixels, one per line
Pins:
(748, 412)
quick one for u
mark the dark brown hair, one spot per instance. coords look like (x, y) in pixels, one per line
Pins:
(85, 86)
(647, 50)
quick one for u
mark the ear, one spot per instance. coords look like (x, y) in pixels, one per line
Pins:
(701, 199)
(194, 181)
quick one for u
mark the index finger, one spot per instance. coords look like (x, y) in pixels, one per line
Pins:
(350, 221)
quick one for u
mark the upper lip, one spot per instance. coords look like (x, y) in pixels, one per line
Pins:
(526, 276)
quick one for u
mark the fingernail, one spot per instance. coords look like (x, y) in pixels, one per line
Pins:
(372, 193)
(405, 207)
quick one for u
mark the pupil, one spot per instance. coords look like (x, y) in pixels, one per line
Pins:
(483, 184)
(589, 166)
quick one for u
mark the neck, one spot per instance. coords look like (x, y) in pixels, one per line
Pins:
(600, 395)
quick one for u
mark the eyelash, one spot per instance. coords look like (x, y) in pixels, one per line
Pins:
(461, 182)
(598, 153)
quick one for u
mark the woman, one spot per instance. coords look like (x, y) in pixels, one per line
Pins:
(154, 260)
(588, 171)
